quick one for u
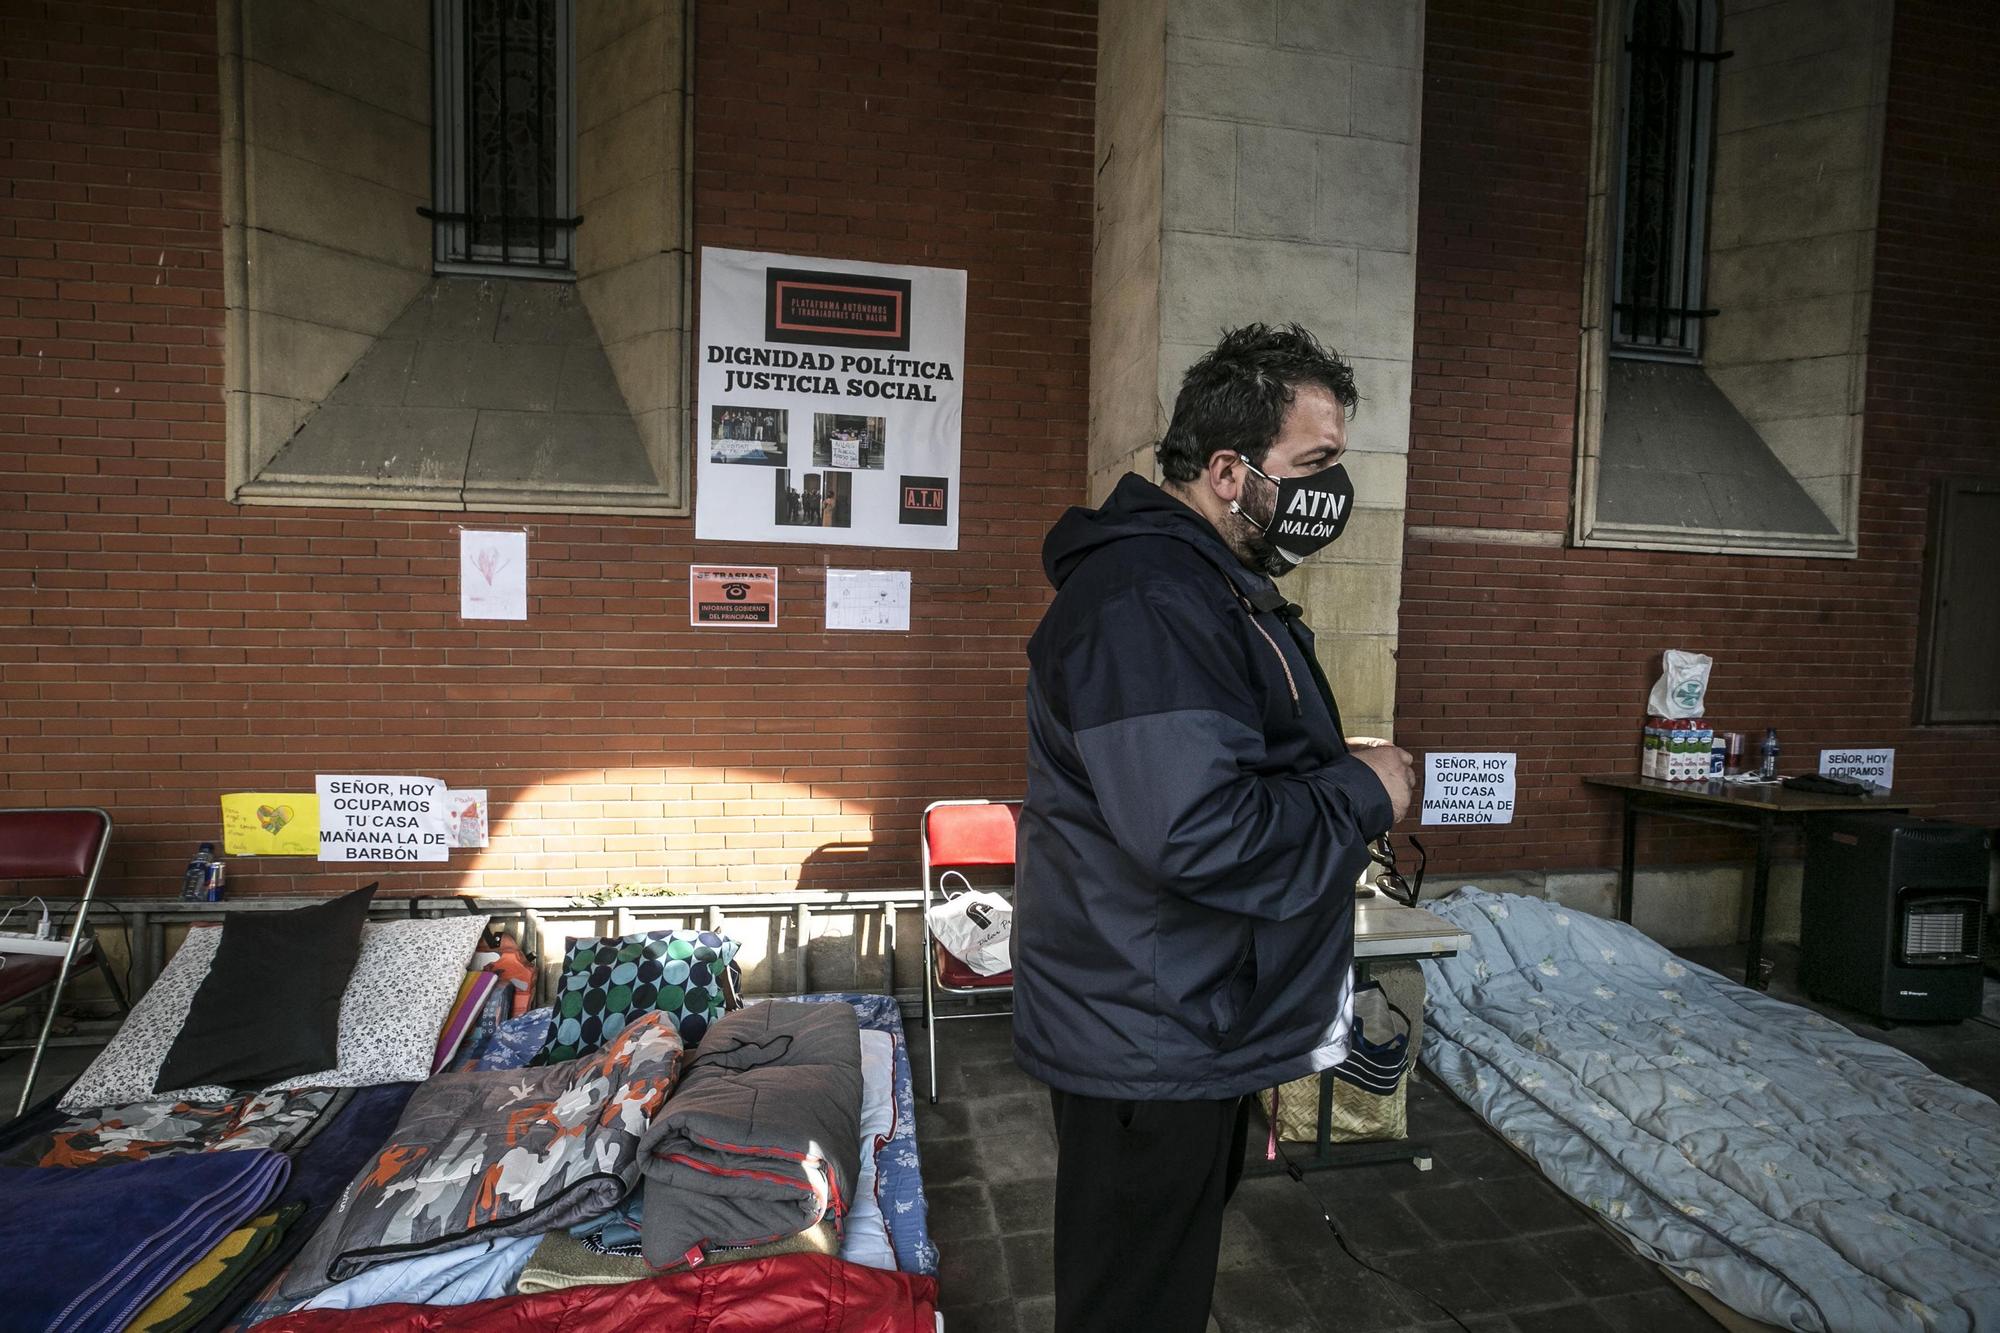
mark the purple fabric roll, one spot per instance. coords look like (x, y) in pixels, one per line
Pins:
(84, 1251)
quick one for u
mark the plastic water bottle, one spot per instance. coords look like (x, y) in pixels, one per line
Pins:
(1768, 769)
(194, 884)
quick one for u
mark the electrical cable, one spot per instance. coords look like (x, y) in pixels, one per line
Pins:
(1326, 1215)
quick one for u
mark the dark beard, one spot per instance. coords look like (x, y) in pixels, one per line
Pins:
(1254, 549)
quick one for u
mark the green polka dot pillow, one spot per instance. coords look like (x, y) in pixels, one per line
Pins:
(606, 984)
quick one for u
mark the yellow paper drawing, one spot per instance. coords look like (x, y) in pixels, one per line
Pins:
(259, 823)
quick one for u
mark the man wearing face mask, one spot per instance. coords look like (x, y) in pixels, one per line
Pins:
(1193, 829)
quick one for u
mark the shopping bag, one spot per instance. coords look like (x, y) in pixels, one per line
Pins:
(1682, 686)
(975, 926)
(1368, 1087)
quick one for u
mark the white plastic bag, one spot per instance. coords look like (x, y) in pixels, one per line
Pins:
(1682, 686)
(975, 926)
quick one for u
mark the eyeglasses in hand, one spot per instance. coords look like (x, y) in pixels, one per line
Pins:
(1383, 853)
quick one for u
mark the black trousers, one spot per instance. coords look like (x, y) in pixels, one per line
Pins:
(1139, 1193)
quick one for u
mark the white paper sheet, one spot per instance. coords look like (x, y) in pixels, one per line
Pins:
(370, 817)
(1877, 765)
(877, 599)
(492, 575)
(1469, 789)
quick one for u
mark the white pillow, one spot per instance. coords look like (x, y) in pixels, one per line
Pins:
(864, 1234)
(403, 985)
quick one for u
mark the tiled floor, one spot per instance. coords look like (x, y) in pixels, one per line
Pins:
(1482, 1233)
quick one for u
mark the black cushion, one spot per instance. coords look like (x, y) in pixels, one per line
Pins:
(269, 1008)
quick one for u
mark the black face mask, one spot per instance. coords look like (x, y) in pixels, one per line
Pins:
(1309, 513)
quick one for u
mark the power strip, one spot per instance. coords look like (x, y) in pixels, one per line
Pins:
(16, 941)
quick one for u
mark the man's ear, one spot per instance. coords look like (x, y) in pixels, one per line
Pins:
(1225, 474)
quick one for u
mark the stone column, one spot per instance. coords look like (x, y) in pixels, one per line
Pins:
(1257, 160)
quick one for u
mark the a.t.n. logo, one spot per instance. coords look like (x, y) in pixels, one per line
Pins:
(925, 500)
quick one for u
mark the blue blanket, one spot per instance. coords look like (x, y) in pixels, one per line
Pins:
(82, 1251)
(1804, 1175)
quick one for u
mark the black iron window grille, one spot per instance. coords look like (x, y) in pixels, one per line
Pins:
(505, 191)
(1667, 128)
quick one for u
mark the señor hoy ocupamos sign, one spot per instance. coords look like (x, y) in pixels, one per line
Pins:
(830, 393)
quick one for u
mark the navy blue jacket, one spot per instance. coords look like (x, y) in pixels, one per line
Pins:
(1194, 825)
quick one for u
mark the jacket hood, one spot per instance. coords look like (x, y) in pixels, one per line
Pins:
(1138, 508)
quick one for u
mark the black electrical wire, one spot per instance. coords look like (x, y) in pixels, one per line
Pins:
(1326, 1215)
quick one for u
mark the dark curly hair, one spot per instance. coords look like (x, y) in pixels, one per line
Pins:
(1235, 398)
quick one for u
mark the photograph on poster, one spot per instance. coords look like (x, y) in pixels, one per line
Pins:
(813, 499)
(843, 440)
(754, 435)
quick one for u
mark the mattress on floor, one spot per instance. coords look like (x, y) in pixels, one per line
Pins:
(1803, 1175)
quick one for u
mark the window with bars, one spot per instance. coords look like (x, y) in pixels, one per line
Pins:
(505, 188)
(1667, 126)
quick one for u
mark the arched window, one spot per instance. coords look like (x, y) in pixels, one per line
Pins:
(1667, 124)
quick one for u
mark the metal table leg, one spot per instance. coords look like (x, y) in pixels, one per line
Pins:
(1626, 859)
(1753, 961)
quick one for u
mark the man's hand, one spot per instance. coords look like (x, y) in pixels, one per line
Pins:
(1394, 766)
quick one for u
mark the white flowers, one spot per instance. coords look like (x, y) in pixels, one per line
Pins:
(1673, 969)
(1604, 992)
(1608, 955)
(1547, 967)
(1561, 919)
(1671, 997)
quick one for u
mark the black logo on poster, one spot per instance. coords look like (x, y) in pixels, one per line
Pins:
(826, 309)
(925, 500)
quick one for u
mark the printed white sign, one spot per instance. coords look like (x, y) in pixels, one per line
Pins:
(830, 400)
(370, 818)
(868, 599)
(1469, 789)
(1876, 766)
(465, 817)
(492, 575)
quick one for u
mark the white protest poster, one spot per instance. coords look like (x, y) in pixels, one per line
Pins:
(373, 818)
(492, 575)
(1469, 789)
(868, 599)
(829, 401)
(465, 817)
(1874, 765)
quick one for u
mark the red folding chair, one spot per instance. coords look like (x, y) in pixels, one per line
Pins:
(64, 843)
(962, 835)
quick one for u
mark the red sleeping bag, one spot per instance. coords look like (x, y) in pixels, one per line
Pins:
(787, 1293)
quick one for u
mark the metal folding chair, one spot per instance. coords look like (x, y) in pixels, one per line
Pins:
(962, 835)
(59, 843)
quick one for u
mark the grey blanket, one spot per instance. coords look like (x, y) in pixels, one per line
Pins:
(762, 1138)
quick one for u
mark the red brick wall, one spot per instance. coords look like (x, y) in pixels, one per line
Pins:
(1549, 651)
(159, 646)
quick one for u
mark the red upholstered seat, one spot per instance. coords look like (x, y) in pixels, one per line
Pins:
(58, 843)
(953, 973)
(26, 973)
(959, 836)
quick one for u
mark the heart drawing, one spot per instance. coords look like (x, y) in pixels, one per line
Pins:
(271, 818)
